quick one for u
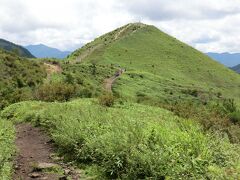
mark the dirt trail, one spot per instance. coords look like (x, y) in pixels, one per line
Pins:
(88, 52)
(121, 31)
(109, 82)
(51, 69)
(34, 155)
(125, 28)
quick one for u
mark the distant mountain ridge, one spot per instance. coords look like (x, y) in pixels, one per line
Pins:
(9, 46)
(43, 51)
(236, 68)
(228, 59)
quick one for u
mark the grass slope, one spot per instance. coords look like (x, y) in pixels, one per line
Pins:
(131, 141)
(18, 78)
(162, 71)
(147, 51)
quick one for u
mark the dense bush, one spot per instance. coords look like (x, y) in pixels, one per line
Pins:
(55, 92)
(89, 77)
(214, 116)
(229, 105)
(192, 92)
(18, 78)
(22, 79)
(75, 81)
(235, 117)
(106, 99)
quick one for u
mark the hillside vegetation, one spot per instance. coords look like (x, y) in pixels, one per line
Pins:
(72, 81)
(22, 79)
(130, 141)
(151, 54)
(162, 71)
(18, 78)
(11, 47)
(173, 113)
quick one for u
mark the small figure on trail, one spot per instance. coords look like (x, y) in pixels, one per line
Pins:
(117, 74)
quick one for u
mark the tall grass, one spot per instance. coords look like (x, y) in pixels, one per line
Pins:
(6, 148)
(132, 141)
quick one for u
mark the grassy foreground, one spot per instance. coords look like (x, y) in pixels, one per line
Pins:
(131, 141)
(7, 137)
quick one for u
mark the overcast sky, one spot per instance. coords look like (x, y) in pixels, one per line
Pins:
(208, 25)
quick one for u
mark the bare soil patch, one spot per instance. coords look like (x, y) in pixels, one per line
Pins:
(34, 156)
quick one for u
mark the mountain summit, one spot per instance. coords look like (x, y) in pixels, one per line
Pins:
(146, 51)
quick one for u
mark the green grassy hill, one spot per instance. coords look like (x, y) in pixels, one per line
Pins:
(18, 78)
(162, 71)
(9, 46)
(166, 66)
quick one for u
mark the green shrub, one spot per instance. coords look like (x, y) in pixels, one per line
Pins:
(235, 117)
(229, 105)
(69, 78)
(86, 92)
(55, 92)
(141, 97)
(213, 116)
(192, 92)
(88, 78)
(106, 100)
(18, 78)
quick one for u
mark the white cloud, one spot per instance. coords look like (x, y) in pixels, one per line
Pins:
(182, 9)
(67, 24)
(58, 23)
